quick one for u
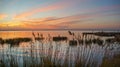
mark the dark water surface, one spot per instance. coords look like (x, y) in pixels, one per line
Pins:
(48, 53)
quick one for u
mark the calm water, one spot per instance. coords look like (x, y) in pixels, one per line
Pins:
(49, 53)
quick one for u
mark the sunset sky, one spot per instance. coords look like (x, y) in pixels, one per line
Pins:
(59, 14)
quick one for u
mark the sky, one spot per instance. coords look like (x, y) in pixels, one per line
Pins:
(59, 14)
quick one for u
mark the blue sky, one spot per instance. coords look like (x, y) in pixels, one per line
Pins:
(59, 14)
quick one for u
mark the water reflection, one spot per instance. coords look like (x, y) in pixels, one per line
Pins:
(49, 53)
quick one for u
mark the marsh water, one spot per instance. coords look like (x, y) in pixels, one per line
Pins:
(49, 53)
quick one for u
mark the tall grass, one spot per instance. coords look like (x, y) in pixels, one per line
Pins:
(48, 53)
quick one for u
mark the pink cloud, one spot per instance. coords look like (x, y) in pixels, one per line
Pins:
(79, 18)
(33, 11)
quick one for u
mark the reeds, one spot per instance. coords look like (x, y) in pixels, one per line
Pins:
(50, 54)
(39, 36)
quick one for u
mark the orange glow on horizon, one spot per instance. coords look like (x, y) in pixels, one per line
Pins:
(2, 16)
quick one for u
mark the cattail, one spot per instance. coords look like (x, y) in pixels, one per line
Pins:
(33, 34)
(38, 34)
(70, 32)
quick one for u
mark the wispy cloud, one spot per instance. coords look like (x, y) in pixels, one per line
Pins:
(78, 18)
(73, 21)
(103, 9)
(56, 6)
(34, 11)
(56, 23)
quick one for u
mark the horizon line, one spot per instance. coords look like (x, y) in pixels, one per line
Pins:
(62, 30)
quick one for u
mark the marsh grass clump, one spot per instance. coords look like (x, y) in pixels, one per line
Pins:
(2, 64)
(60, 38)
(17, 41)
(88, 42)
(1, 41)
(110, 40)
(98, 41)
(80, 41)
(38, 38)
(113, 40)
(73, 42)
